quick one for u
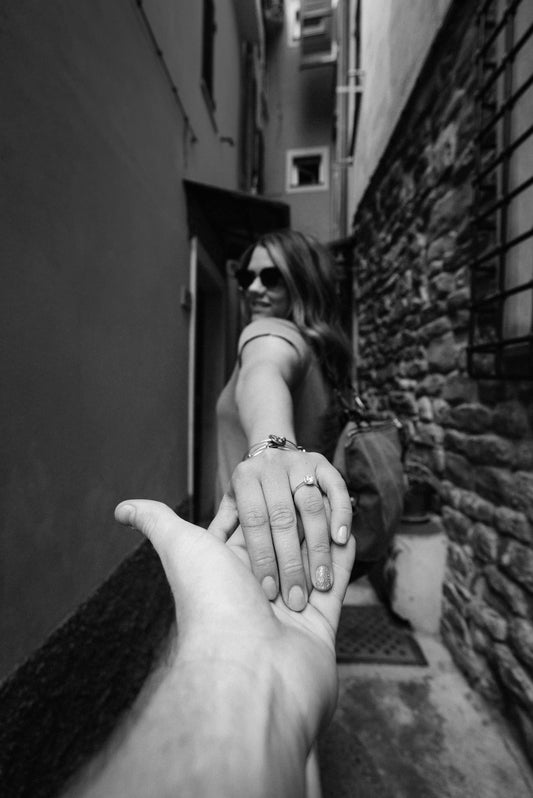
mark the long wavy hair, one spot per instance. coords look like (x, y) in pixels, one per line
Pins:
(308, 271)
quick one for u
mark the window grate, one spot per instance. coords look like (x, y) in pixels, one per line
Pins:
(501, 324)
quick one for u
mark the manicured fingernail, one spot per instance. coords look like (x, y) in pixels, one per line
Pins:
(125, 513)
(270, 588)
(297, 599)
(342, 534)
(323, 580)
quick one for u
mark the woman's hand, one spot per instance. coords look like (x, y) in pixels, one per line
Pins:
(278, 497)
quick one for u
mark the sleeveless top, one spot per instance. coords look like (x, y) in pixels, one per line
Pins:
(311, 397)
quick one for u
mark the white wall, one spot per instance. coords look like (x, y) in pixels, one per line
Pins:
(395, 39)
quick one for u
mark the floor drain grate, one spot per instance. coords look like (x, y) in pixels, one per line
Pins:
(372, 634)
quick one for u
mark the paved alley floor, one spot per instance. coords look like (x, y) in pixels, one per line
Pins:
(417, 732)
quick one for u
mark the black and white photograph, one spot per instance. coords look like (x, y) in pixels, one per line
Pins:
(266, 416)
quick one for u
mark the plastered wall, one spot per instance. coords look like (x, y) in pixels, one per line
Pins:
(94, 251)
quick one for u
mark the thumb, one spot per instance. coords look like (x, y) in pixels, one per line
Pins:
(179, 544)
(206, 576)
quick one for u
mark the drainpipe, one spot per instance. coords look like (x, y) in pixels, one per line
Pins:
(343, 103)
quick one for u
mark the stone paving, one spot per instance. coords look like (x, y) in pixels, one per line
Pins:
(417, 732)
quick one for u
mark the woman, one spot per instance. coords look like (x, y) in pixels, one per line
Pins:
(278, 411)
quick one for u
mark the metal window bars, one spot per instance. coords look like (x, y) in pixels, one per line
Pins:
(501, 321)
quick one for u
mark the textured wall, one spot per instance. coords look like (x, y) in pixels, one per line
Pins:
(414, 242)
(60, 707)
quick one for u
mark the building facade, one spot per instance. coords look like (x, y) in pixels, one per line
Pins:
(122, 138)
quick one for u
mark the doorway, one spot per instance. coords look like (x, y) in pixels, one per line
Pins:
(207, 375)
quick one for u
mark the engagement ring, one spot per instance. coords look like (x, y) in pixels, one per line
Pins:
(308, 480)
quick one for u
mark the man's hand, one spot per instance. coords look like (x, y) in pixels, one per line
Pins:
(222, 614)
(235, 706)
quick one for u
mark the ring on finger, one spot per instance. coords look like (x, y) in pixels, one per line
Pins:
(308, 481)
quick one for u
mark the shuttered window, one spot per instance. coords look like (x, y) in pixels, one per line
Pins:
(318, 45)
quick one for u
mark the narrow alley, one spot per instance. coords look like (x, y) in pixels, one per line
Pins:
(356, 178)
(412, 731)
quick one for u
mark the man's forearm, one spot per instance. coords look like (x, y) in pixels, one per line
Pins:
(244, 745)
(205, 731)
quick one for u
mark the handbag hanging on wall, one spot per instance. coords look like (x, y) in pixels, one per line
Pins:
(369, 455)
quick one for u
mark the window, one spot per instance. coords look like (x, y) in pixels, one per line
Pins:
(307, 169)
(208, 52)
(501, 330)
(318, 45)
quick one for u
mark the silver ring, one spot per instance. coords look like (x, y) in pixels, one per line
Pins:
(308, 481)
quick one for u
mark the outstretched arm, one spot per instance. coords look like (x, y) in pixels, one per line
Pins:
(247, 687)
(263, 498)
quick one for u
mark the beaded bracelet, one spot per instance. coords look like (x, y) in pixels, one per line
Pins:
(273, 442)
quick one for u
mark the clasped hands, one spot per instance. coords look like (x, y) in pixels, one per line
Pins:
(225, 622)
(276, 501)
(267, 673)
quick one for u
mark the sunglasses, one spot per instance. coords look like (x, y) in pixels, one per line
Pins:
(270, 276)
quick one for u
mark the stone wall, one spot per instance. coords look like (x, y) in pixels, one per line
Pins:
(413, 241)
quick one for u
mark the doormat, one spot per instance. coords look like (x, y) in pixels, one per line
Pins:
(372, 634)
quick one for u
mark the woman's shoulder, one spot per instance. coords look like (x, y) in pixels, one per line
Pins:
(280, 328)
(272, 325)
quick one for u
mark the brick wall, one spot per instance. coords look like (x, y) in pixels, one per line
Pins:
(413, 243)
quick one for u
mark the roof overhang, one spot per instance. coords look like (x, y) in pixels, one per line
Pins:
(227, 222)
